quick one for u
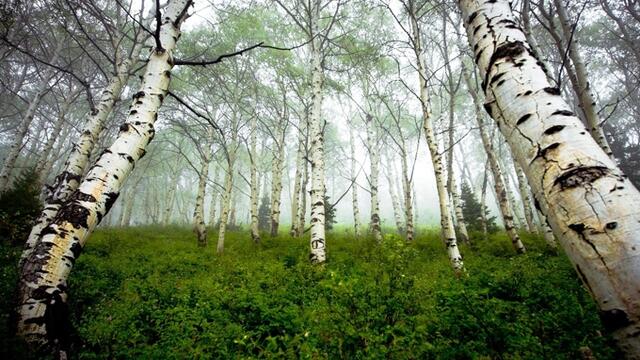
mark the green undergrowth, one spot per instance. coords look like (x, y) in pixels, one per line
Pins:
(150, 293)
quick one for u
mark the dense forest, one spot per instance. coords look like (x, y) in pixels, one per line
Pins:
(406, 179)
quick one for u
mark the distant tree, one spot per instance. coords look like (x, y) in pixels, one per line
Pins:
(329, 214)
(264, 214)
(472, 211)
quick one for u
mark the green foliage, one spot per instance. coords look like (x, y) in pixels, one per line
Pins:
(329, 214)
(264, 215)
(20, 207)
(149, 293)
(472, 211)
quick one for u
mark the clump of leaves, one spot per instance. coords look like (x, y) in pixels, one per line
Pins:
(472, 211)
(20, 207)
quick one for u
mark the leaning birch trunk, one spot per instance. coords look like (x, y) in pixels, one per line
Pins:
(199, 226)
(317, 240)
(584, 195)
(253, 208)
(297, 184)
(42, 310)
(69, 179)
(374, 157)
(276, 186)
(586, 100)
(354, 187)
(225, 202)
(446, 222)
(23, 127)
(483, 204)
(496, 171)
(523, 186)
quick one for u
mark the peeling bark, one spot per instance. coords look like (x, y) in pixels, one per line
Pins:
(576, 184)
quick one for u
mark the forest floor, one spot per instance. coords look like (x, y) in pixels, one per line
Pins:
(149, 292)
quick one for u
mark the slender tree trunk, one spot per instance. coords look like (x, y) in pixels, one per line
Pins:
(546, 231)
(354, 187)
(446, 222)
(170, 199)
(526, 200)
(42, 312)
(317, 240)
(586, 100)
(253, 157)
(483, 203)
(498, 180)
(276, 186)
(578, 187)
(406, 190)
(214, 200)
(302, 213)
(300, 162)
(226, 202)
(199, 226)
(23, 127)
(374, 157)
(395, 203)
(128, 209)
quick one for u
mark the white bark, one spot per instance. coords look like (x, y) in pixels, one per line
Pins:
(408, 201)
(225, 202)
(297, 185)
(253, 158)
(214, 200)
(374, 158)
(586, 100)
(199, 226)
(277, 167)
(42, 288)
(446, 222)
(395, 203)
(496, 171)
(69, 179)
(354, 187)
(580, 189)
(526, 200)
(317, 240)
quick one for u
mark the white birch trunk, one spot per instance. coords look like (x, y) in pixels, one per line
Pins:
(446, 222)
(317, 240)
(297, 184)
(253, 157)
(214, 200)
(354, 187)
(586, 100)
(225, 202)
(277, 168)
(374, 157)
(69, 179)
(496, 171)
(42, 313)
(408, 201)
(526, 200)
(579, 188)
(395, 203)
(199, 226)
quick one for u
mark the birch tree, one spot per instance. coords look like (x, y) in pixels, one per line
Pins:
(578, 187)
